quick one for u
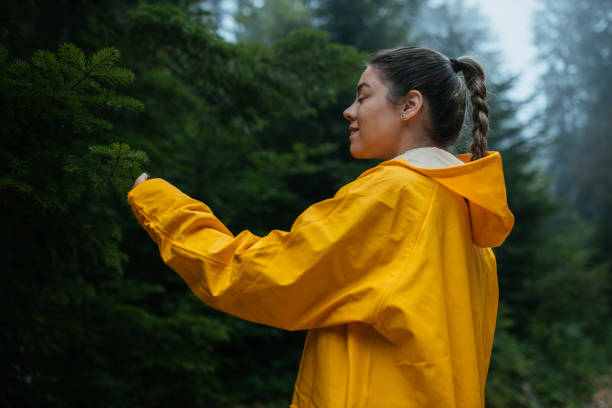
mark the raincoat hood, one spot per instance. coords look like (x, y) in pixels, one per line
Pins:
(481, 183)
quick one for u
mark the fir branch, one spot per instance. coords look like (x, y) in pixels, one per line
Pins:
(98, 67)
(100, 59)
(115, 75)
(71, 53)
(45, 60)
(104, 57)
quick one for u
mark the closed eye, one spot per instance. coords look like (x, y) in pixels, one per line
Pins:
(361, 99)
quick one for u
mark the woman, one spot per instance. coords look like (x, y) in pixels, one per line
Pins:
(394, 276)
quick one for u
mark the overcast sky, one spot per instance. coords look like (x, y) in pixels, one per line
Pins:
(511, 21)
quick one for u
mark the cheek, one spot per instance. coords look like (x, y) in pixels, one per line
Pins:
(368, 116)
(377, 119)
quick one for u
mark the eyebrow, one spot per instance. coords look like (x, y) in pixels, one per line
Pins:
(361, 85)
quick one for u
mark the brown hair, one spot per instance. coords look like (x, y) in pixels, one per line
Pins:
(436, 77)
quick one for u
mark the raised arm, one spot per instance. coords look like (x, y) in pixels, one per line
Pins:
(332, 267)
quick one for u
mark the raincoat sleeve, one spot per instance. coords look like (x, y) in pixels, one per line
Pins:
(330, 268)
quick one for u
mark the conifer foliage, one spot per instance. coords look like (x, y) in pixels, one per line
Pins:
(64, 92)
(86, 325)
(61, 176)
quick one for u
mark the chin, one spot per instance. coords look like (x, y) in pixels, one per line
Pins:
(356, 153)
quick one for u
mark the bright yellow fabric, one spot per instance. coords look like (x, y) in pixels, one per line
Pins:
(399, 301)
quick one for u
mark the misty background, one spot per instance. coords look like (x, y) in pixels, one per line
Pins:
(239, 104)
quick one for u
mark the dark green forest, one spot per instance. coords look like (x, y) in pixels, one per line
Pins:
(94, 92)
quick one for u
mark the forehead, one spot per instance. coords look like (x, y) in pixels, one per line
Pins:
(371, 77)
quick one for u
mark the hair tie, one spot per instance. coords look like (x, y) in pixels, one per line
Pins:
(456, 65)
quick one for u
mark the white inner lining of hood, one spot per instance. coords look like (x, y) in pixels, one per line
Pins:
(429, 158)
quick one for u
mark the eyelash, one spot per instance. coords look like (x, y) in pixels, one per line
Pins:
(360, 99)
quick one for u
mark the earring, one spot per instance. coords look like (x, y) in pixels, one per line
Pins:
(403, 116)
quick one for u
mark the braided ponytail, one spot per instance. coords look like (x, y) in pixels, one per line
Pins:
(475, 80)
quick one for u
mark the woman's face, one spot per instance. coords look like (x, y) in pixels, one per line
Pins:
(375, 123)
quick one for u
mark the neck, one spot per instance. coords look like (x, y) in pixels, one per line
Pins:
(411, 141)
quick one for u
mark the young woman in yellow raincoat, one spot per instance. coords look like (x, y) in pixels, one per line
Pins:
(393, 277)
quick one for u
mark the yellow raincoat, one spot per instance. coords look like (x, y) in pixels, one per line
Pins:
(393, 277)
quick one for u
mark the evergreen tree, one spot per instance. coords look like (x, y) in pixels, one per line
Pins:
(61, 172)
(370, 26)
(575, 38)
(141, 336)
(270, 21)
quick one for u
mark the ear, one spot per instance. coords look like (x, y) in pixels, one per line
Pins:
(412, 104)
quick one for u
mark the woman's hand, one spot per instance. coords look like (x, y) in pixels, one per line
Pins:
(140, 179)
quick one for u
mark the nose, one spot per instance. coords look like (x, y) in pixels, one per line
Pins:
(350, 113)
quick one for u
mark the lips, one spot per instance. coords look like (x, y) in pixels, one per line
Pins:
(353, 129)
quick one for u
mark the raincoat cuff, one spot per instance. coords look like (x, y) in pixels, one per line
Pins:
(152, 201)
(153, 197)
(162, 209)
